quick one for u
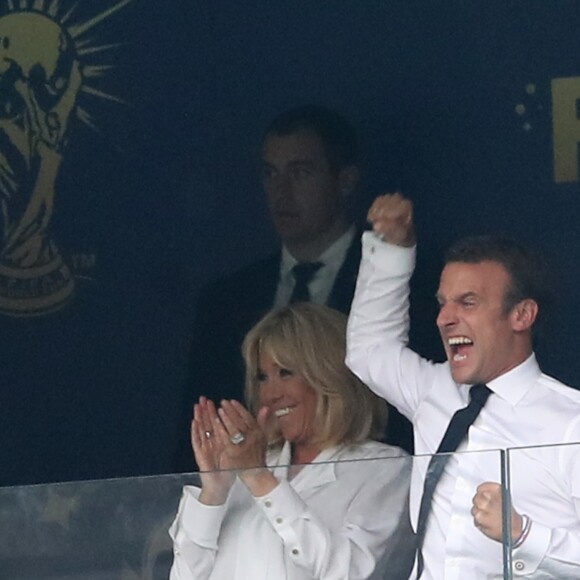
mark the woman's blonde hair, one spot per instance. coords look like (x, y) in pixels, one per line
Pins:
(310, 340)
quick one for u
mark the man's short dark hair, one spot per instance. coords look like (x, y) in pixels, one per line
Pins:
(336, 133)
(527, 270)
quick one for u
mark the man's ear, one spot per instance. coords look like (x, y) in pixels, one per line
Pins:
(524, 314)
(348, 178)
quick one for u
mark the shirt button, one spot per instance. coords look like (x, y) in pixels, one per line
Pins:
(279, 520)
(519, 566)
(268, 503)
(295, 551)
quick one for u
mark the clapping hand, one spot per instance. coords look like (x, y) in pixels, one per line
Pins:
(243, 435)
(209, 454)
(246, 443)
(230, 439)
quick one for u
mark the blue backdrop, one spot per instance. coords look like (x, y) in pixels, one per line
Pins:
(160, 191)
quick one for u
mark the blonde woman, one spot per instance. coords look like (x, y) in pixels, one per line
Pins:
(306, 492)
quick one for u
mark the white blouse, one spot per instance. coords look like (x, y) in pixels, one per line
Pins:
(342, 517)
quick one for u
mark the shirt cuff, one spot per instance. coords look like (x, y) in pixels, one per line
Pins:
(201, 523)
(527, 558)
(391, 259)
(282, 505)
(282, 508)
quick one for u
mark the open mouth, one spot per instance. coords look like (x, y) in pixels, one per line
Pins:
(283, 412)
(459, 347)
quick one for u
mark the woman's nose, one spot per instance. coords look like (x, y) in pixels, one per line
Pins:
(270, 391)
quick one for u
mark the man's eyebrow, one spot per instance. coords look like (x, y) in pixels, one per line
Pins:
(468, 294)
(464, 296)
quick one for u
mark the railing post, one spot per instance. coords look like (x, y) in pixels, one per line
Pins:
(506, 514)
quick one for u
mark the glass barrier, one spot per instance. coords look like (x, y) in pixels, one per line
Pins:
(543, 486)
(454, 546)
(119, 529)
(93, 530)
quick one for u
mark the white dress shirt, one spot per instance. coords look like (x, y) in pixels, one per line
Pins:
(526, 408)
(331, 521)
(322, 282)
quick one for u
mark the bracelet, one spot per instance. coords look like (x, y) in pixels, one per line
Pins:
(526, 527)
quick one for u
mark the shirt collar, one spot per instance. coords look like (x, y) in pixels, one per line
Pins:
(321, 474)
(332, 257)
(515, 384)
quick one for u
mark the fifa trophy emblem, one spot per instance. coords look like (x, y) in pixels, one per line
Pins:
(40, 78)
(48, 59)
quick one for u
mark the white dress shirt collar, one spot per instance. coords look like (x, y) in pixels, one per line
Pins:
(515, 384)
(314, 476)
(332, 256)
(283, 458)
(321, 284)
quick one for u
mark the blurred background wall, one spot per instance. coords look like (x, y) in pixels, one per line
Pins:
(129, 176)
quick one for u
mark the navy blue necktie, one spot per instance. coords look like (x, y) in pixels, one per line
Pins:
(303, 273)
(454, 435)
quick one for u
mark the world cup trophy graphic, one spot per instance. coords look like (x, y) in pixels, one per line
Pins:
(42, 76)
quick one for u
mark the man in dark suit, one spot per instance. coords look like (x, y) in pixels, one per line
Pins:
(310, 173)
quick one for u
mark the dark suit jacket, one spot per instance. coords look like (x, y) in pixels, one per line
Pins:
(226, 310)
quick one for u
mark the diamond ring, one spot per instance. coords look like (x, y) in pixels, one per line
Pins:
(237, 438)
